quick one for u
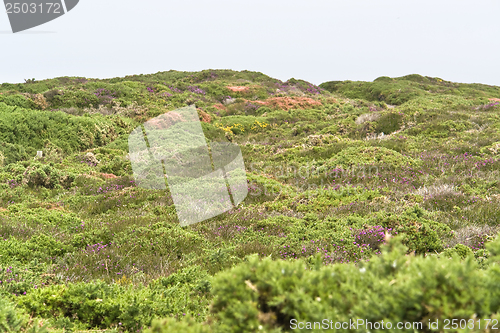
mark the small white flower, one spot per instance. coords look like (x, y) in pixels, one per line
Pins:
(260, 327)
(394, 264)
(362, 270)
(318, 299)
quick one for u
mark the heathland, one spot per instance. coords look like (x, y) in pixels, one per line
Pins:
(366, 200)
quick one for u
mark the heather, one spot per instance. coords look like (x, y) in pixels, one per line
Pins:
(376, 200)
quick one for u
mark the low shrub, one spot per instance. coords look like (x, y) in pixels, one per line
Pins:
(274, 295)
(419, 234)
(10, 319)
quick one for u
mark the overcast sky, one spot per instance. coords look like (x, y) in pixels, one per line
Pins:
(314, 40)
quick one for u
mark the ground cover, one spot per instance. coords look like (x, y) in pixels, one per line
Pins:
(332, 171)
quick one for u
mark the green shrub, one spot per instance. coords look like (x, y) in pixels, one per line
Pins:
(10, 319)
(94, 304)
(462, 251)
(389, 123)
(16, 152)
(353, 156)
(196, 277)
(40, 247)
(270, 294)
(17, 100)
(46, 176)
(187, 325)
(420, 235)
(31, 128)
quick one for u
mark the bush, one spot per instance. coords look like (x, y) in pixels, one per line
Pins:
(10, 319)
(17, 100)
(15, 152)
(389, 123)
(120, 305)
(94, 304)
(187, 325)
(353, 156)
(269, 294)
(71, 133)
(461, 250)
(419, 234)
(39, 247)
(43, 175)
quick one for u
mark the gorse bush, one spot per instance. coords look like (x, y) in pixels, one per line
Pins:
(37, 174)
(370, 156)
(13, 320)
(10, 318)
(265, 294)
(45, 176)
(420, 234)
(117, 305)
(38, 247)
(388, 123)
(30, 128)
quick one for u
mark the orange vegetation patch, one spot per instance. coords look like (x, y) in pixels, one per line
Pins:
(3, 209)
(219, 106)
(258, 102)
(205, 117)
(165, 120)
(287, 103)
(108, 175)
(494, 99)
(237, 88)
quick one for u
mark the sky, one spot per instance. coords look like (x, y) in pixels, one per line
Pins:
(313, 40)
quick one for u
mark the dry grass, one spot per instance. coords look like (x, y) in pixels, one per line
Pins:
(470, 235)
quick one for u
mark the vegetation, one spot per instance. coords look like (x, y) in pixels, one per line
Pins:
(372, 200)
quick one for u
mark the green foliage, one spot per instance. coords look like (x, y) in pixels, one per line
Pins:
(461, 250)
(187, 325)
(271, 293)
(10, 318)
(420, 235)
(198, 279)
(389, 123)
(306, 243)
(37, 174)
(40, 247)
(370, 156)
(30, 128)
(17, 100)
(103, 305)
(407, 88)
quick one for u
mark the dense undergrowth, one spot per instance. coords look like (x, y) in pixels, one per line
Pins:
(332, 171)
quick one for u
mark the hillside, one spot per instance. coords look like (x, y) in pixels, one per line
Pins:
(359, 193)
